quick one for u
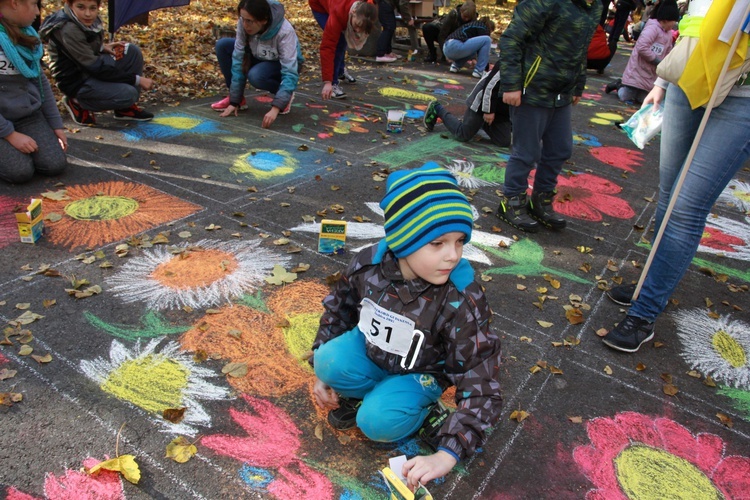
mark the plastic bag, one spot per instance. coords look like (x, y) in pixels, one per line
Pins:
(643, 125)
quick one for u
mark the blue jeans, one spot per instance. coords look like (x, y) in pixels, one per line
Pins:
(630, 94)
(393, 406)
(387, 18)
(224, 48)
(99, 95)
(262, 75)
(338, 58)
(459, 52)
(723, 149)
(542, 139)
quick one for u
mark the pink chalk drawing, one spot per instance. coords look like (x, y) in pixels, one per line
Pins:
(622, 158)
(592, 97)
(271, 441)
(3, 359)
(587, 197)
(105, 485)
(716, 239)
(8, 228)
(636, 456)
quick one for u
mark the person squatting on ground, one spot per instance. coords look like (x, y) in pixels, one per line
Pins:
(598, 56)
(32, 137)
(485, 110)
(653, 45)
(387, 16)
(92, 75)
(471, 41)
(723, 149)
(265, 52)
(543, 67)
(437, 31)
(344, 23)
(406, 321)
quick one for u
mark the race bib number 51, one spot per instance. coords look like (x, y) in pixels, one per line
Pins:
(388, 331)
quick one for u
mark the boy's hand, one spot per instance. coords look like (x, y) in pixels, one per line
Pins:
(489, 118)
(327, 90)
(230, 109)
(270, 117)
(512, 98)
(421, 469)
(325, 397)
(576, 99)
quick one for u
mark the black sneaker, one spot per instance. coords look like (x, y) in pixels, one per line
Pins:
(540, 208)
(630, 334)
(434, 421)
(133, 113)
(430, 115)
(513, 211)
(347, 77)
(80, 116)
(345, 416)
(431, 58)
(622, 294)
(613, 85)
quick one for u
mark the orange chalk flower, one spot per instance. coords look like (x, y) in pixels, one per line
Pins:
(100, 213)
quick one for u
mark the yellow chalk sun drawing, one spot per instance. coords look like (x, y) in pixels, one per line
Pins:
(178, 122)
(404, 94)
(265, 164)
(157, 380)
(196, 275)
(717, 347)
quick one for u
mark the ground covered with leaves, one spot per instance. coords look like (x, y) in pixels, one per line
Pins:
(178, 43)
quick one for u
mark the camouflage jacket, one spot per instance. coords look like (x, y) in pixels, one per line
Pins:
(458, 349)
(543, 50)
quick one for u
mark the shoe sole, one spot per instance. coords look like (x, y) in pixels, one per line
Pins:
(132, 119)
(626, 349)
(342, 96)
(563, 225)
(525, 230)
(626, 304)
(73, 116)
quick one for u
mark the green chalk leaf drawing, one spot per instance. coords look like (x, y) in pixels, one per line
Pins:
(490, 173)
(527, 256)
(255, 301)
(298, 127)
(740, 274)
(152, 325)
(740, 400)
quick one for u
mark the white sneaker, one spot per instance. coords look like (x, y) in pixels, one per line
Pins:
(454, 68)
(337, 92)
(393, 54)
(477, 74)
(347, 77)
(386, 59)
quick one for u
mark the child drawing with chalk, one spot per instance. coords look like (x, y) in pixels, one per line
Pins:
(406, 321)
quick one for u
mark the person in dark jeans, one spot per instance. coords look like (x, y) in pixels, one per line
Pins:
(623, 8)
(387, 17)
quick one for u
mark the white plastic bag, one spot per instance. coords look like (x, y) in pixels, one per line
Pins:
(643, 125)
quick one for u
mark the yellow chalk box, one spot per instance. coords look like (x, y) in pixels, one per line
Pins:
(332, 237)
(33, 211)
(31, 232)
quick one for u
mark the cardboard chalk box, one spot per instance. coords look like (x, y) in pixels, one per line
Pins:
(33, 211)
(31, 231)
(421, 8)
(332, 237)
(395, 121)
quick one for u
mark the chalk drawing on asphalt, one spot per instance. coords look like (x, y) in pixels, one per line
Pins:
(166, 126)
(197, 275)
(622, 158)
(726, 237)
(637, 456)
(715, 345)
(589, 197)
(103, 212)
(271, 335)
(263, 164)
(155, 379)
(8, 227)
(463, 171)
(737, 194)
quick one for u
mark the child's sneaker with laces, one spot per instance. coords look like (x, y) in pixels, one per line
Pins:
(224, 104)
(430, 115)
(429, 432)
(454, 68)
(345, 416)
(622, 294)
(337, 92)
(629, 334)
(77, 113)
(477, 74)
(345, 76)
(133, 113)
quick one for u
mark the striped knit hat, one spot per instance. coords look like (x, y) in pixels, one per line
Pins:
(421, 205)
